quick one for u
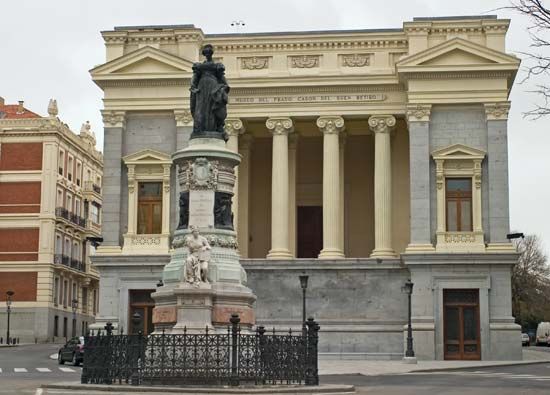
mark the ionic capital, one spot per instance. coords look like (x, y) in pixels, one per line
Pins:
(381, 123)
(419, 112)
(330, 124)
(113, 119)
(234, 126)
(279, 126)
(497, 111)
(183, 117)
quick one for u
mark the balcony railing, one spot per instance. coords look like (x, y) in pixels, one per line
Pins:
(90, 186)
(71, 217)
(65, 260)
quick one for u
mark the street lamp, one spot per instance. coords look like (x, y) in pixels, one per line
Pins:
(74, 305)
(303, 284)
(136, 321)
(409, 353)
(9, 294)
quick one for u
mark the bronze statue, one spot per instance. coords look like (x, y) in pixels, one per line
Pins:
(209, 96)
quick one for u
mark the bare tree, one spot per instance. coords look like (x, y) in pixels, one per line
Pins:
(531, 283)
(538, 60)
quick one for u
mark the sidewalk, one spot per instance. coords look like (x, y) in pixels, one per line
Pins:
(376, 368)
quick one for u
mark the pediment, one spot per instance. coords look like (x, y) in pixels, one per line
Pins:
(458, 151)
(147, 157)
(146, 61)
(458, 54)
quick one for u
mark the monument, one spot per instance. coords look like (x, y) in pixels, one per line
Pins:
(204, 282)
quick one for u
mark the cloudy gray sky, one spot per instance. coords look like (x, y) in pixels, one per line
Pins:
(49, 46)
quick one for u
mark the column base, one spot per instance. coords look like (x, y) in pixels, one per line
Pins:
(419, 248)
(280, 253)
(383, 253)
(410, 360)
(331, 253)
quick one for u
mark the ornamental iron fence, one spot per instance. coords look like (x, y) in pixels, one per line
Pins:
(232, 358)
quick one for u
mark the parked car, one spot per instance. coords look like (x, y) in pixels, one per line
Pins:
(543, 332)
(525, 339)
(72, 351)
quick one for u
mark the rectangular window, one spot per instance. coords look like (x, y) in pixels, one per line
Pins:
(64, 326)
(56, 291)
(94, 306)
(65, 292)
(56, 326)
(69, 205)
(70, 168)
(78, 173)
(84, 300)
(59, 198)
(74, 294)
(58, 245)
(77, 206)
(150, 208)
(458, 196)
(94, 213)
(61, 164)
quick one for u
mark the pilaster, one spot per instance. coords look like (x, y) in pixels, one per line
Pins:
(234, 127)
(497, 171)
(331, 127)
(292, 161)
(243, 234)
(280, 128)
(381, 126)
(418, 121)
(114, 125)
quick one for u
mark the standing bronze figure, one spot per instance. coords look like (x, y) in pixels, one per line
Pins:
(209, 96)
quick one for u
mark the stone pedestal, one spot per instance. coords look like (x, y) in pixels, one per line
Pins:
(206, 177)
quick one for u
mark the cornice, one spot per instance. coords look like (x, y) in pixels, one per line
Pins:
(438, 75)
(309, 45)
(236, 91)
(184, 81)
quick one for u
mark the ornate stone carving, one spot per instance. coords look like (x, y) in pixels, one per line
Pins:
(279, 126)
(202, 174)
(114, 118)
(451, 237)
(145, 240)
(419, 112)
(223, 216)
(183, 117)
(304, 61)
(196, 264)
(330, 124)
(381, 123)
(255, 63)
(497, 111)
(52, 108)
(184, 210)
(234, 126)
(356, 60)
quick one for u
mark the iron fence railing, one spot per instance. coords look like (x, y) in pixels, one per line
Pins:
(232, 358)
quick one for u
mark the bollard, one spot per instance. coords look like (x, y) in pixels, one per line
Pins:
(234, 349)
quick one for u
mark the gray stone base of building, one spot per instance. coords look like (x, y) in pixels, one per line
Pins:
(37, 324)
(359, 303)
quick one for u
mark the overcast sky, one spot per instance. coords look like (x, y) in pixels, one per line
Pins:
(49, 46)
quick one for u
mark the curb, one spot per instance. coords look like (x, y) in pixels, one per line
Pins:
(495, 365)
(317, 389)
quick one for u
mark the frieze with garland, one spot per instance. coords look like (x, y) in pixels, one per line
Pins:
(222, 241)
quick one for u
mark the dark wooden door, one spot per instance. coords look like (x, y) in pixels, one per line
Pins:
(461, 324)
(310, 231)
(141, 303)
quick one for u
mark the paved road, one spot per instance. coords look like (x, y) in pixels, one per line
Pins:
(24, 368)
(510, 380)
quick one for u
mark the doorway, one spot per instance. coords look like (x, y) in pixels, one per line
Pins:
(310, 231)
(461, 324)
(141, 303)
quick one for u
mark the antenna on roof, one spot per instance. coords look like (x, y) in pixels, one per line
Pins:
(238, 25)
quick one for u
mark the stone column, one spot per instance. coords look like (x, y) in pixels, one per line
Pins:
(381, 126)
(331, 126)
(244, 193)
(114, 124)
(418, 121)
(234, 127)
(497, 172)
(342, 229)
(292, 158)
(280, 128)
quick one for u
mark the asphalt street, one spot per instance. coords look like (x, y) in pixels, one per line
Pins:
(24, 368)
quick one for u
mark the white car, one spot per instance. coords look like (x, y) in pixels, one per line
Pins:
(525, 339)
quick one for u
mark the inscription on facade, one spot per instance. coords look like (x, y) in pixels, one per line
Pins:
(201, 208)
(361, 97)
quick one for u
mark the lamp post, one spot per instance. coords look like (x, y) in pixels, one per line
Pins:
(9, 294)
(74, 305)
(136, 321)
(303, 284)
(409, 353)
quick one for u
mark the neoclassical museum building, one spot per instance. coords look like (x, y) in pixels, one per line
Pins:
(368, 157)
